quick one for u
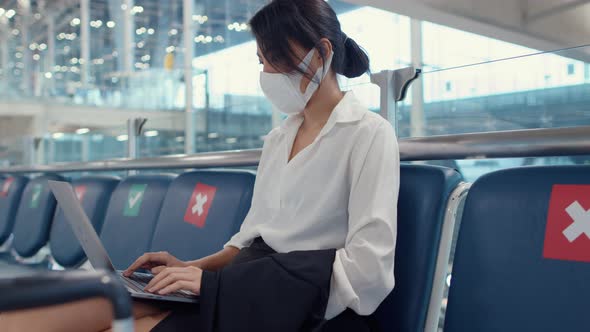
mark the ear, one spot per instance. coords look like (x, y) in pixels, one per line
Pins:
(326, 46)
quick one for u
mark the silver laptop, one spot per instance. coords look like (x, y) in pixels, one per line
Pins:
(95, 251)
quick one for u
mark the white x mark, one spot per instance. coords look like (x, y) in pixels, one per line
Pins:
(200, 200)
(581, 222)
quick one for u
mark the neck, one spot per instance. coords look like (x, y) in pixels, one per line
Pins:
(322, 103)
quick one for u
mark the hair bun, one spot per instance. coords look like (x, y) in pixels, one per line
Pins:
(356, 60)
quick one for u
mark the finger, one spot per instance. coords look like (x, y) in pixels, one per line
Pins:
(172, 278)
(176, 286)
(142, 260)
(157, 278)
(161, 257)
(158, 269)
(147, 261)
(163, 274)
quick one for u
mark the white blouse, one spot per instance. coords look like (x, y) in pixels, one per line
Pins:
(339, 192)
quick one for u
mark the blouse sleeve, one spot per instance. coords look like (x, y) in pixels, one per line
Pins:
(363, 270)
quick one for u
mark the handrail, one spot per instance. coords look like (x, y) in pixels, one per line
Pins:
(551, 142)
(568, 141)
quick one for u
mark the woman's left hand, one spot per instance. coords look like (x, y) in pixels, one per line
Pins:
(172, 279)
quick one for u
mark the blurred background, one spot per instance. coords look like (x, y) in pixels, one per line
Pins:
(73, 71)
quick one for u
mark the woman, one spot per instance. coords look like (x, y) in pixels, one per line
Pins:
(328, 178)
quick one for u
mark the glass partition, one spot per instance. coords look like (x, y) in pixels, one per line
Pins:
(162, 135)
(542, 90)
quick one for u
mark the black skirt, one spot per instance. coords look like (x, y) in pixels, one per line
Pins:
(186, 317)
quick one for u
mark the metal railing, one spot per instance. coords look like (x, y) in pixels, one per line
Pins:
(505, 144)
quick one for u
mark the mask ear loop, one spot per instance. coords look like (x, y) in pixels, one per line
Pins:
(325, 68)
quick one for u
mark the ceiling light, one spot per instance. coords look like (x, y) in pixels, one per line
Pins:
(10, 13)
(57, 135)
(151, 133)
(48, 75)
(82, 131)
(111, 24)
(122, 138)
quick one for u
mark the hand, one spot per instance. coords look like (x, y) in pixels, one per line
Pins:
(172, 279)
(154, 261)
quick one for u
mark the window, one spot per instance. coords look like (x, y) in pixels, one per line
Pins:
(571, 69)
(448, 86)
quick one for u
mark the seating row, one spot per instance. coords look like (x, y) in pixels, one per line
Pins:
(521, 259)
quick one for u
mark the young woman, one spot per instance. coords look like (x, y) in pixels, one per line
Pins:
(328, 178)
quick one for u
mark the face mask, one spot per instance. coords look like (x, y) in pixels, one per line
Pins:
(284, 90)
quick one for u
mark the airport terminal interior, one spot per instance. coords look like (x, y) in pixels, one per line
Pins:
(489, 100)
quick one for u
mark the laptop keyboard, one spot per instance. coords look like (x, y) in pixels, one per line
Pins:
(137, 282)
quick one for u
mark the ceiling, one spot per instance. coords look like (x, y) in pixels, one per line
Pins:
(540, 24)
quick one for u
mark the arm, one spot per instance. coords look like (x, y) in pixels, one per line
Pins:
(216, 261)
(363, 270)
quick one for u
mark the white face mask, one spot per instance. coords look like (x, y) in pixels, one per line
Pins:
(284, 90)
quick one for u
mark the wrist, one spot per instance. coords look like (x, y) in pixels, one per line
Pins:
(196, 263)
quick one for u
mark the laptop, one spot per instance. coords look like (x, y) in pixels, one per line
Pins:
(95, 251)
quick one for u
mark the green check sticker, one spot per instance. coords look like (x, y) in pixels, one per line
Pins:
(134, 199)
(37, 189)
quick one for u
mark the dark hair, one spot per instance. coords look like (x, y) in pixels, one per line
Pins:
(305, 22)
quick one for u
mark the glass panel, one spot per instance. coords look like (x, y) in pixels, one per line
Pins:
(445, 47)
(543, 90)
(162, 135)
(75, 143)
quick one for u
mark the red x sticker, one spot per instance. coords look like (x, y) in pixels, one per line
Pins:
(6, 186)
(567, 235)
(80, 192)
(199, 205)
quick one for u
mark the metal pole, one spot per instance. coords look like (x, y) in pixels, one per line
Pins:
(131, 139)
(134, 128)
(84, 42)
(4, 53)
(387, 100)
(189, 139)
(128, 37)
(394, 85)
(25, 11)
(85, 147)
(417, 123)
(50, 58)
(29, 145)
